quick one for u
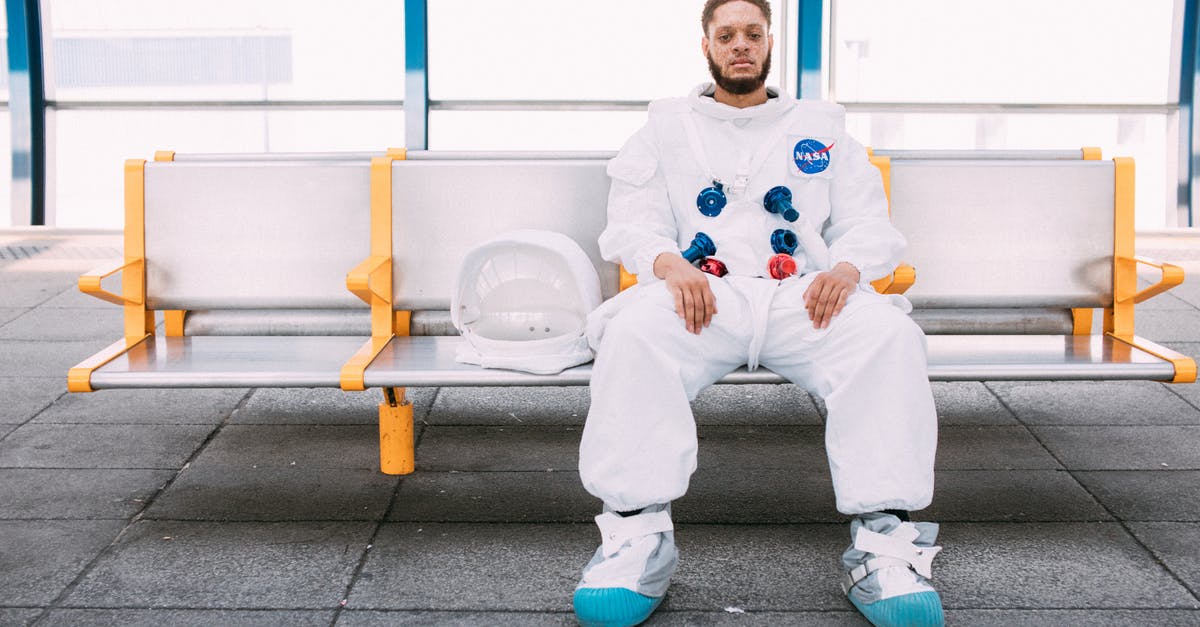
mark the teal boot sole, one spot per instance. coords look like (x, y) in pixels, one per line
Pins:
(612, 607)
(920, 609)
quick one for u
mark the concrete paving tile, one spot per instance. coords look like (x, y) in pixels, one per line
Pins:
(473, 449)
(474, 567)
(24, 397)
(148, 407)
(39, 558)
(757, 448)
(1168, 325)
(1147, 495)
(1190, 392)
(1051, 566)
(1189, 292)
(661, 617)
(100, 446)
(46, 358)
(66, 324)
(1095, 403)
(23, 290)
(221, 493)
(72, 298)
(738, 616)
(10, 313)
(432, 618)
(1091, 618)
(1169, 301)
(990, 448)
(543, 448)
(494, 497)
(968, 403)
(750, 495)
(1010, 495)
(758, 495)
(7, 429)
(225, 566)
(759, 568)
(186, 618)
(18, 616)
(1123, 448)
(322, 406)
(57, 266)
(1175, 544)
(300, 447)
(755, 405)
(513, 406)
(91, 493)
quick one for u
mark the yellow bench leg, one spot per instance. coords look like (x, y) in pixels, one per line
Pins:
(396, 454)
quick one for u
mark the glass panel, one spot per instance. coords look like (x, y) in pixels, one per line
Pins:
(224, 50)
(532, 130)
(1066, 51)
(555, 50)
(1143, 136)
(92, 146)
(4, 54)
(6, 218)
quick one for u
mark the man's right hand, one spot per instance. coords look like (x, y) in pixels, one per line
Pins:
(694, 300)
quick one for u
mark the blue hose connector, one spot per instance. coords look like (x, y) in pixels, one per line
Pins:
(784, 241)
(702, 246)
(711, 201)
(779, 200)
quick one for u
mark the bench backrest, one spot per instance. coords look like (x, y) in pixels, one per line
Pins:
(255, 232)
(443, 208)
(1006, 233)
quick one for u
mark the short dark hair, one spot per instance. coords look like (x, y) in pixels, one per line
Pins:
(710, 7)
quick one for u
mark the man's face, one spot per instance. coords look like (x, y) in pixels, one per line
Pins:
(738, 47)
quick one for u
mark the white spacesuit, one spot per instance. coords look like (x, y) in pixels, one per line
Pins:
(639, 445)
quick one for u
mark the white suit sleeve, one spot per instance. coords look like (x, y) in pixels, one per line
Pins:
(859, 231)
(640, 223)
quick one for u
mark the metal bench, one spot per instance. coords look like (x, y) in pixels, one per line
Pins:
(220, 243)
(1014, 250)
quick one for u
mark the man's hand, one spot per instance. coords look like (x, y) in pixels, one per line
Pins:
(694, 300)
(827, 294)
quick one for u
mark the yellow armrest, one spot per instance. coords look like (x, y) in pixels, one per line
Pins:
(90, 283)
(1171, 275)
(898, 281)
(366, 278)
(627, 280)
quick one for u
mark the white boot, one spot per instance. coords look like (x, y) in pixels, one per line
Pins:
(628, 576)
(888, 568)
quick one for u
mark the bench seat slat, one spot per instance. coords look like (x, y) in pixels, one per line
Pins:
(262, 361)
(429, 361)
(229, 361)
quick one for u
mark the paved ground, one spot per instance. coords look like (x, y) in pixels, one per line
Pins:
(1061, 503)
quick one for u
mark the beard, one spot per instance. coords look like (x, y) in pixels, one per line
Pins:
(739, 86)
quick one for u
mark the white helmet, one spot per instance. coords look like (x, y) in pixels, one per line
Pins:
(522, 301)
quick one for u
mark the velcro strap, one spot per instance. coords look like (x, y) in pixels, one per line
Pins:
(861, 571)
(899, 545)
(616, 530)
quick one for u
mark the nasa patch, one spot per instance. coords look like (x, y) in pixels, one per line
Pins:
(811, 156)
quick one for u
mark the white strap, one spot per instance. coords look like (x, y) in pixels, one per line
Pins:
(899, 545)
(616, 530)
(861, 571)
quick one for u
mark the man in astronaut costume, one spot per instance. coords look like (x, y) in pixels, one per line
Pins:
(703, 164)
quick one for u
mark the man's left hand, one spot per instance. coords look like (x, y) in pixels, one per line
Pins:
(827, 294)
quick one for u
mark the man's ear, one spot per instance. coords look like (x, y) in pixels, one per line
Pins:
(704, 46)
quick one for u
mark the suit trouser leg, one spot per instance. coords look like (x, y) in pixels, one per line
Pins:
(639, 443)
(870, 367)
